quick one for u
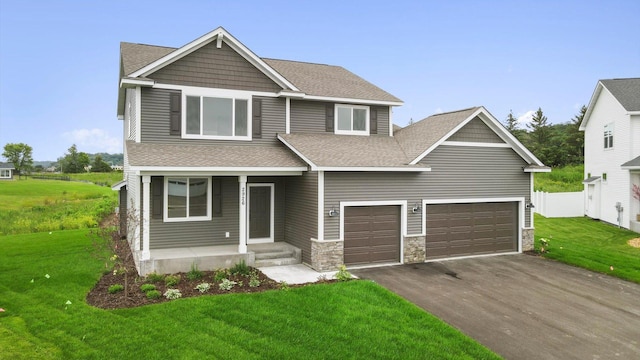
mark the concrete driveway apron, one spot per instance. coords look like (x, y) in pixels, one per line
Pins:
(524, 307)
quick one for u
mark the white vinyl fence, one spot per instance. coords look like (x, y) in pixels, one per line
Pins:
(555, 205)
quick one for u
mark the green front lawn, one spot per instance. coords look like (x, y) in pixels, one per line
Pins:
(356, 319)
(589, 244)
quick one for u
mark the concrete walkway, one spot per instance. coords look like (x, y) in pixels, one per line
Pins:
(525, 307)
(294, 274)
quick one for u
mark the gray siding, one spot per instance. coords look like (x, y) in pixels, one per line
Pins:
(372, 186)
(457, 172)
(476, 131)
(155, 121)
(215, 68)
(200, 233)
(309, 117)
(301, 205)
(476, 172)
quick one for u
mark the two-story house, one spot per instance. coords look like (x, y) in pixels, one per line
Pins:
(611, 128)
(229, 156)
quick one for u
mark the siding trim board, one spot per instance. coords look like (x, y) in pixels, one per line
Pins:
(519, 200)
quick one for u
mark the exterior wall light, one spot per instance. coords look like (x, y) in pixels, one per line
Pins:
(529, 205)
(416, 208)
(334, 212)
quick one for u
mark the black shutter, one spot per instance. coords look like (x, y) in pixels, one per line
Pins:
(157, 196)
(257, 118)
(373, 120)
(217, 197)
(175, 116)
(329, 117)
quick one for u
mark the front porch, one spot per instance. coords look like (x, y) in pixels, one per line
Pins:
(206, 258)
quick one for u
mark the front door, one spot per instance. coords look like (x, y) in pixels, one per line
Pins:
(260, 213)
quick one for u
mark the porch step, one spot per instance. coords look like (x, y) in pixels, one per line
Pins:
(276, 254)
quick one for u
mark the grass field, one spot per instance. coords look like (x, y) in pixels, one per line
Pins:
(44, 279)
(565, 179)
(589, 244)
(47, 205)
(103, 179)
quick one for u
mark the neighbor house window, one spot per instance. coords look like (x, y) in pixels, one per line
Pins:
(352, 119)
(5, 173)
(608, 136)
(216, 117)
(187, 199)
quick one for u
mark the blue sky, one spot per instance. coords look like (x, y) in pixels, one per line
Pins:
(59, 59)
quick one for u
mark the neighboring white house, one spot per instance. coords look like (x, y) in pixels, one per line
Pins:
(611, 128)
(6, 171)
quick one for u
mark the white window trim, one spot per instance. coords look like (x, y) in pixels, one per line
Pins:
(609, 127)
(165, 204)
(217, 93)
(351, 132)
(7, 171)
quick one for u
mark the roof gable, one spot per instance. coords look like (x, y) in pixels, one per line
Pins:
(625, 91)
(421, 138)
(476, 131)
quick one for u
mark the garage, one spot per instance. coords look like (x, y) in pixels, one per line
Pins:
(371, 234)
(464, 229)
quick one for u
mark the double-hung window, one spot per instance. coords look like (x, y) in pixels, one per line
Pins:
(608, 136)
(187, 198)
(352, 119)
(5, 173)
(217, 116)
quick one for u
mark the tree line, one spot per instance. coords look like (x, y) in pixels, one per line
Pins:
(555, 145)
(73, 162)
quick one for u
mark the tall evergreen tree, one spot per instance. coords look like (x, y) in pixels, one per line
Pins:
(511, 123)
(575, 138)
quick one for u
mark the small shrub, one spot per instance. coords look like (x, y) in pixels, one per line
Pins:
(220, 275)
(194, 273)
(204, 287)
(172, 294)
(153, 294)
(240, 268)
(154, 278)
(115, 288)
(147, 287)
(323, 278)
(172, 280)
(227, 284)
(254, 281)
(343, 274)
(284, 286)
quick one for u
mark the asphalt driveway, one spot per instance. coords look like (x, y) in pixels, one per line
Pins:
(525, 307)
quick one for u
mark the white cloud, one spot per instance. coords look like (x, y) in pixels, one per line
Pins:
(94, 140)
(524, 119)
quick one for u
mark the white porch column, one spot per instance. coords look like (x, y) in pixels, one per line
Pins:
(320, 205)
(242, 246)
(146, 204)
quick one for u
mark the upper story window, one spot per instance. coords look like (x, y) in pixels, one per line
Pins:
(608, 136)
(352, 119)
(216, 116)
(187, 199)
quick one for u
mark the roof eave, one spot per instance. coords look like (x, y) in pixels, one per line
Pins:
(587, 114)
(354, 100)
(373, 168)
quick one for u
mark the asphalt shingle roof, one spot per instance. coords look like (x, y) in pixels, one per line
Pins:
(627, 91)
(194, 156)
(418, 137)
(329, 150)
(312, 79)
(633, 162)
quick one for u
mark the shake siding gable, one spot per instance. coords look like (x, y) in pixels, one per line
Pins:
(155, 122)
(301, 203)
(476, 131)
(215, 68)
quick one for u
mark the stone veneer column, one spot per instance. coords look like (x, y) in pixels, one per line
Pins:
(415, 249)
(327, 255)
(527, 239)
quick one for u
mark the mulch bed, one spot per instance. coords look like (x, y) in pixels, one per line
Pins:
(100, 297)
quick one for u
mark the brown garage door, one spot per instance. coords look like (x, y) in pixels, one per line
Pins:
(371, 234)
(471, 229)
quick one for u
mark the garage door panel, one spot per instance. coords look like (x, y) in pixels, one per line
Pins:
(371, 234)
(471, 229)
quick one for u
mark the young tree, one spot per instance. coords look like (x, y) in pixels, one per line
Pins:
(100, 165)
(20, 155)
(511, 123)
(73, 162)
